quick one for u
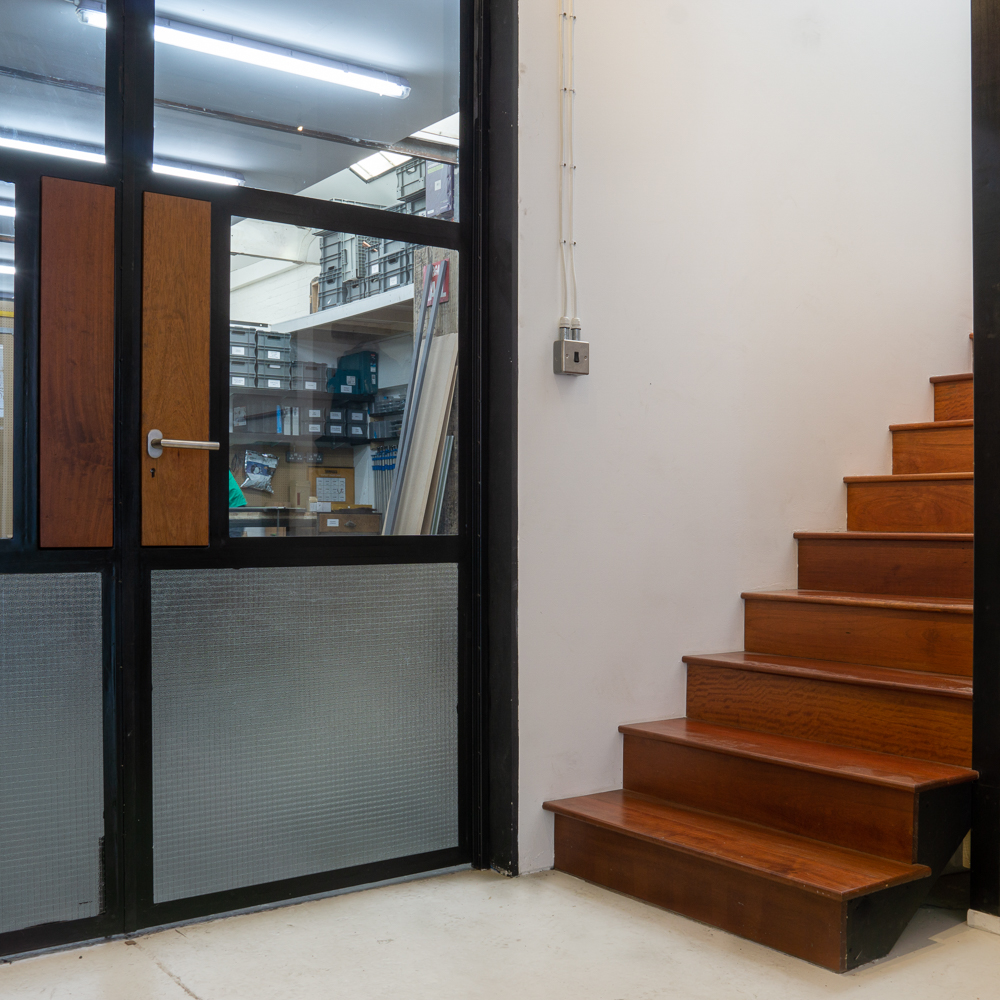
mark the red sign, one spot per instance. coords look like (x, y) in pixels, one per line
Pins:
(444, 287)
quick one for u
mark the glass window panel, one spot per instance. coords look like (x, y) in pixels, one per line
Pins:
(51, 748)
(51, 80)
(6, 359)
(315, 98)
(334, 427)
(304, 720)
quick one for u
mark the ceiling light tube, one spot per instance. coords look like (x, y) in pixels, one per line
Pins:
(6, 269)
(199, 174)
(6, 211)
(52, 148)
(262, 54)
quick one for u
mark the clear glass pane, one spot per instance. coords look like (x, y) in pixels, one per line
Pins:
(328, 100)
(6, 359)
(289, 746)
(52, 79)
(337, 424)
(51, 748)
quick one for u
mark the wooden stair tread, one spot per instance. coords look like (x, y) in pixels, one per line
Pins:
(894, 678)
(835, 872)
(869, 766)
(914, 477)
(964, 377)
(889, 536)
(897, 602)
(932, 425)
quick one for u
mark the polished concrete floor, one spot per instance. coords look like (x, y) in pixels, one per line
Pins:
(472, 935)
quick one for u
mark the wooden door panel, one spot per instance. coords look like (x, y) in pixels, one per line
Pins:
(175, 366)
(76, 424)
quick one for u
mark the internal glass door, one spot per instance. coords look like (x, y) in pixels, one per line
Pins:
(236, 563)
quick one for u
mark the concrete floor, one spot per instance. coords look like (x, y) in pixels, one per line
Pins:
(474, 935)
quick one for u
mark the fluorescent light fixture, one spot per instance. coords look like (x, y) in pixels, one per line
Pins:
(52, 148)
(6, 269)
(194, 174)
(97, 18)
(7, 211)
(378, 164)
(246, 50)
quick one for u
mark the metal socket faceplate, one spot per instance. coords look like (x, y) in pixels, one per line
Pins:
(571, 357)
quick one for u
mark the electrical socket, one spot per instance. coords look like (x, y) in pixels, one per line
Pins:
(571, 357)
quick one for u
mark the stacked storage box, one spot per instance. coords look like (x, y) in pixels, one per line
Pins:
(357, 423)
(242, 356)
(274, 360)
(309, 376)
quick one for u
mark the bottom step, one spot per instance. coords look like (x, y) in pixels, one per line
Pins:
(828, 905)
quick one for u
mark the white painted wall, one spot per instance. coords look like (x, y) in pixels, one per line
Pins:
(773, 226)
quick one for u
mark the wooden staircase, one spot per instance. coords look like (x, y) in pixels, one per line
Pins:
(820, 781)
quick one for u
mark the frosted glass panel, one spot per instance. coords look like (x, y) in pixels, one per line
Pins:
(304, 720)
(51, 748)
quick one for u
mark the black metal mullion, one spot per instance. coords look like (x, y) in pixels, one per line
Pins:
(986, 349)
(136, 78)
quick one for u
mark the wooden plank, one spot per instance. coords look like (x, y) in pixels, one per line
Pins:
(942, 502)
(76, 422)
(943, 446)
(911, 723)
(435, 404)
(885, 636)
(175, 366)
(872, 563)
(953, 397)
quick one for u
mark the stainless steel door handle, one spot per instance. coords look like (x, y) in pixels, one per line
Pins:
(156, 442)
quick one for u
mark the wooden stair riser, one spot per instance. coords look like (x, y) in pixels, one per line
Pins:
(855, 814)
(932, 449)
(953, 400)
(791, 919)
(919, 568)
(911, 505)
(908, 723)
(915, 640)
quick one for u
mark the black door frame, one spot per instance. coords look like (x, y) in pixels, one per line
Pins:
(485, 550)
(986, 363)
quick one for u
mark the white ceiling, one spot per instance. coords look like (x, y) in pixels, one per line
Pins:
(417, 39)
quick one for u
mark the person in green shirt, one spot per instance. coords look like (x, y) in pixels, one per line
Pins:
(236, 497)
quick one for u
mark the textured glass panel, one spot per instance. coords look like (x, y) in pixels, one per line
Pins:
(335, 427)
(51, 748)
(304, 720)
(325, 99)
(51, 79)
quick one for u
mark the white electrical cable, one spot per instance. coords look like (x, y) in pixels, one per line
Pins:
(567, 73)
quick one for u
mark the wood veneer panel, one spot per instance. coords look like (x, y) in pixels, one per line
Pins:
(944, 446)
(76, 422)
(175, 366)
(888, 637)
(835, 809)
(953, 397)
(890, 720)
(927, 503)
(870, 563)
